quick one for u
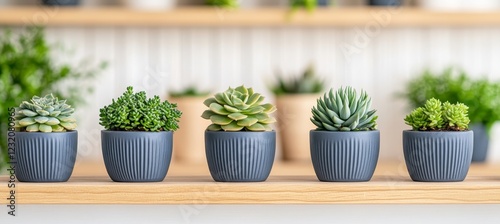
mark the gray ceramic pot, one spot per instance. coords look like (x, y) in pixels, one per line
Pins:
(481, 143)
(240, 156)
(438, 156)
(132, 156)
(61, 2)
(45, 157)
(344, 156)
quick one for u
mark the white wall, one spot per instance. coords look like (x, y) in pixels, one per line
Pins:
(161, 59)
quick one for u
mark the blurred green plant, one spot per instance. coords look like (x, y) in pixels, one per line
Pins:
(309, 5)
(482, 96)
(307, 83)
(190, 91)
(438, 116)
(27, 69)
(229, 4)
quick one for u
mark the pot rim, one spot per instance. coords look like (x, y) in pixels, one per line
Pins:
(144, 132)
(45, 133)
(233, 132)
(343, 132)
(434, 132)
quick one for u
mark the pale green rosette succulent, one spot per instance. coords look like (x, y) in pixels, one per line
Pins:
(239, 109)
(45, 114)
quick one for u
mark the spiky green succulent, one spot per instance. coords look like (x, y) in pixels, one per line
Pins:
(238, 109)
(438, 116)
(45, 114)
(344, 110)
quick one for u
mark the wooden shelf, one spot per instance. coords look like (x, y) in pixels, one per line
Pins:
(201, 17)
(288, 184)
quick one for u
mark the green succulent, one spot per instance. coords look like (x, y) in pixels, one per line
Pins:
(45, 114)
(231, 4)
(307, 83)
(438, 116)
(344, 110)
(238, 109)
(135, 112)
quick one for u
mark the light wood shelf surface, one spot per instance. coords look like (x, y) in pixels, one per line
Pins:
(204, 16)
(289, 183)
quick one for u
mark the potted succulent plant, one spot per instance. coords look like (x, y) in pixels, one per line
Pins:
(188, 141)
(294, 98)
(439, 146)
(453, 85)
(137, 142)
(46, 142)
(345, 146)
(240, 143)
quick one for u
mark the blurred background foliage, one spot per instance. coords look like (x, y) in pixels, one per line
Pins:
(27, 68)
(455, 85)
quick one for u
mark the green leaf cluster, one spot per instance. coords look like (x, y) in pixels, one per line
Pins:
(481, 95)
(308, 82)
(45, 114)
(190, 91)
(230, 4)
(438, 116)
(135, 112)
(238, 109)
(344, 110)
(27, 68)
(309, 5)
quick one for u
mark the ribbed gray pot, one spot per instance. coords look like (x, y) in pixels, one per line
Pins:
(481, 142)
(344, 156)
(438, 156)
(240, 156)
(132, 156)
(45, 157)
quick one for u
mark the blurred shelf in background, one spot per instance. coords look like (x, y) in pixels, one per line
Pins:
(213, 17)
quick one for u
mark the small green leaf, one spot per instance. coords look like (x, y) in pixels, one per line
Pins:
(231, 109)
(28, 113)
(220, 120)
(68, 126)
(237, 116)
(254, 110)
(214, 127)
(27, 121)
(207, 114)
(54, 121)
(45, 128)
(232, 127)
(32, 128)
(218, 109)
(209, 101)
(55, 113)
(247, 122)
(41, 119)
(57, 128)
(257, 127)
(269, 108)
(43, 112)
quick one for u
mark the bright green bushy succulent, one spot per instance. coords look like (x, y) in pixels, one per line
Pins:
(45, 114)
(135, 112)
(344, 110)
(438, 116)
(238, 109)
